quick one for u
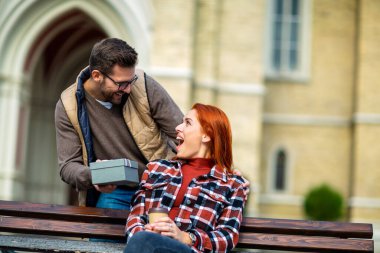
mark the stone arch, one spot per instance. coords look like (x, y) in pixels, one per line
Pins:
(43, 46)
(124, 19)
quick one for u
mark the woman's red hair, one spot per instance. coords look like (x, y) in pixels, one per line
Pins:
(216, 125)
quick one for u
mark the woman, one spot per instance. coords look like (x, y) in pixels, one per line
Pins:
(205, 200)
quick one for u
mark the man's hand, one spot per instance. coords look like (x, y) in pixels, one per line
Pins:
(106, 188)
(238, 173)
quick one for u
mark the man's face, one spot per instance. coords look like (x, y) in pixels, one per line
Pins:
(110, 90)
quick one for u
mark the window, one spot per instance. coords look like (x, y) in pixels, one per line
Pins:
(280, 171)
(288, 39)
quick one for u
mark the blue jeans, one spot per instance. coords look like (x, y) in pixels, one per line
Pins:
(118, 199)
(148, 242)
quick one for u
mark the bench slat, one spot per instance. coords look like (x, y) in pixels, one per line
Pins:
(62, 212)
(256, 225)
(61, 228)
(307, 227)
(303, 243)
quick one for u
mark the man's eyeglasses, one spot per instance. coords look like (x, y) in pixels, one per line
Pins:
(124, 84)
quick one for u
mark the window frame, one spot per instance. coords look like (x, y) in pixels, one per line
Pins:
(302, 71)
(280, 165)
(272, 170)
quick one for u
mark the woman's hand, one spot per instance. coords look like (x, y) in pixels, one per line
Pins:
(166, 226)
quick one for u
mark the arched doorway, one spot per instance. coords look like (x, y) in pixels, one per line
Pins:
(62, 57)
(45, 47)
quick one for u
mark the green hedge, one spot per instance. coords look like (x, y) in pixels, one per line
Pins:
(323, 203)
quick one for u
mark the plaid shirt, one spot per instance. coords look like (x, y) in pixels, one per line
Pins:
(211, 209)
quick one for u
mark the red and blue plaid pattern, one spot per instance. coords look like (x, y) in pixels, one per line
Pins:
(212, 206)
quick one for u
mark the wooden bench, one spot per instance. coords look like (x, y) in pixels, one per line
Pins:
(45, 228)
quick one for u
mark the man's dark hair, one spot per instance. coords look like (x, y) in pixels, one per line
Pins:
(108, 52)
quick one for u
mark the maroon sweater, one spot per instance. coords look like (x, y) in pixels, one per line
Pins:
(192, 169)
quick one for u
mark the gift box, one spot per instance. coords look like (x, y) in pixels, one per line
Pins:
(117, 171)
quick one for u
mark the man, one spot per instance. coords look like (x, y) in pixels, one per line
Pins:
(112, 111)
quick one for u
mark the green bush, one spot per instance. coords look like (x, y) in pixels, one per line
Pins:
(323, 203)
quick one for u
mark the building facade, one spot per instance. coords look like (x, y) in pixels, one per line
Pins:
(298, 80)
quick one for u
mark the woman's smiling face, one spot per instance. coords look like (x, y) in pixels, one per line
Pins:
(192, 140)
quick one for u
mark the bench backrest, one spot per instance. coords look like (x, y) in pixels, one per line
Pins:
(259, 233)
